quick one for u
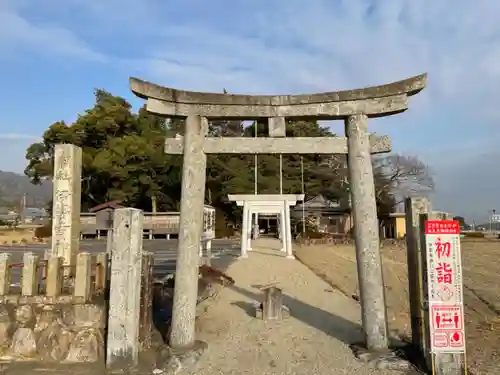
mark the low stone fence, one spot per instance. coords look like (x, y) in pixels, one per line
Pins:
(59, 314)
(344, 240)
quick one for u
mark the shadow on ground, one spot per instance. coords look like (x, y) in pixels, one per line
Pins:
(333, 325)
(340, 328)
(164, 290)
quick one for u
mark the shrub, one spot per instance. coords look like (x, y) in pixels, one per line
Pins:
(44, 232)
(474, 235)
(315, 235)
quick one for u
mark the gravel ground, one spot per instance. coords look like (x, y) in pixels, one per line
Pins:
(314, 340)
(337, 265)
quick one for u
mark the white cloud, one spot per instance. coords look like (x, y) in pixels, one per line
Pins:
(18, 34)
(321, 45)
(295, 46)
(17, 136)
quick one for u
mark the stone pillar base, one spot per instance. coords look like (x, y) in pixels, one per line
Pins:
(173, 361)
(387, 359)
(285, 311)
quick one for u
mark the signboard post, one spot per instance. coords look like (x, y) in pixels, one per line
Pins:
(445, 296)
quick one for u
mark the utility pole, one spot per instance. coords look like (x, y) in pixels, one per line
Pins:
(255, 227)
(303, 192)
(23, 209)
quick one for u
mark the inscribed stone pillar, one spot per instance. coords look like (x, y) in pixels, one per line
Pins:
(66, 202)
(190, 229)
(366, 235)
(125, 289)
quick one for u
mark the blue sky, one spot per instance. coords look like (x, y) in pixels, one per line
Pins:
(53, 53)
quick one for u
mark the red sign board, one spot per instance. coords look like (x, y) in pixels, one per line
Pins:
(445, 285)
(447, 317)
(442, 227)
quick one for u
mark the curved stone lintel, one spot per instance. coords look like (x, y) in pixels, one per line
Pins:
(270, 146)
(145, 90)
(329, 110)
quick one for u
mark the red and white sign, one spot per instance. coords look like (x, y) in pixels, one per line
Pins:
(444, 279)
(447, 317)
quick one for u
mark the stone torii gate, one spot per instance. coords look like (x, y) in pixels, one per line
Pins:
(254, 204)
(352, 106)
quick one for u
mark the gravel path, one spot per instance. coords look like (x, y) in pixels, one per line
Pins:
(314, 340)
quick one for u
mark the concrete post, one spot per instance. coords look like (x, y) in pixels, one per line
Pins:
(30, 275)
(66, 202)
(371, 284)
(125, 289)
(5, 273)
(249, 229)
(83, 277)
(288, 232)
(208, 248)
(190, 229)
(272, 306)
(244, 231)
(255, 231)
(256, 224)
(102, 271)
(146, 319)
(109, 242)
(282, 230)
(416, 260)
(53, 282)
(255, 227)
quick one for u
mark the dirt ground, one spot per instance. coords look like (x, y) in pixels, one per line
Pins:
(314, 339)
(481, 272)
(15, 236)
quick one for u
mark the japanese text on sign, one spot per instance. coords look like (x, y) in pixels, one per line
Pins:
(444, 269)
(444, 276)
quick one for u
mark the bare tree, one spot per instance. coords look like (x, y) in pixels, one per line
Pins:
(400, 176)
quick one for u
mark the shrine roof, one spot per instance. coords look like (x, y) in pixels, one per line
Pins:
(102, 206)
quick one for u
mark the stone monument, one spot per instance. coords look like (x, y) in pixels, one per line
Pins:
(354, 107)
(66, 203)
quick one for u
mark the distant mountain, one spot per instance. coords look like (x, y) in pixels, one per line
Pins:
(13, 186)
